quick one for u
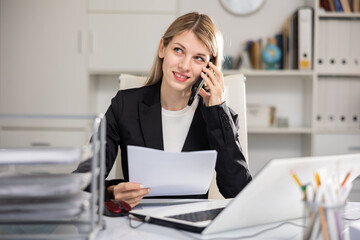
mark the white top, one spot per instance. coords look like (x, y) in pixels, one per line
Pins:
(176, 125)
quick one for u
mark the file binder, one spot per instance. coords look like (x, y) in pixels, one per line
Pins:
(354, 46)
(305, 36)
(332, 45)
(331, 102)
(321, 103)
(342, 106)
(354, 108)
(343, 50)
(322, 46)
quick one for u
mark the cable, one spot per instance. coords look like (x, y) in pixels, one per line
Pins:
(237, 237)
(134, 227)
(351, 219)
(247, 236)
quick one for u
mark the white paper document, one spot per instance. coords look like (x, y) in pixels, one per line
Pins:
(166, 173)
(32, 156)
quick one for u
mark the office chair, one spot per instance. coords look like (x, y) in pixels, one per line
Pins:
(235, 98)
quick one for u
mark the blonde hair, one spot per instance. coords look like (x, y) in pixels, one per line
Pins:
(206, 31)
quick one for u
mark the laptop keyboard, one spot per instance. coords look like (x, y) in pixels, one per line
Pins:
(198, 216)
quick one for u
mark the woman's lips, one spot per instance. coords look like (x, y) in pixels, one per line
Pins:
(180, 77)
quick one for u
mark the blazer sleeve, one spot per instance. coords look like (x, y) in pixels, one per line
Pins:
(112, 142)
(113, 139)
(232, 173)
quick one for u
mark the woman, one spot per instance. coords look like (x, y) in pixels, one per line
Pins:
(157, 115)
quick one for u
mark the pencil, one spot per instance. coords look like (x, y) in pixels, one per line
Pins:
(296, 179)
(346, 178)
(323, 223)
(317, 178)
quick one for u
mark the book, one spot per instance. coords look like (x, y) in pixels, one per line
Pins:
(338, 7)
(295, 41)
(332, 5)
(325, 5)
(255, 55)
(345, 6)
(285, 48)
(279, 42)
(356, 5)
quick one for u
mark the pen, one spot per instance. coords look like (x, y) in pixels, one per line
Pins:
(346, 178)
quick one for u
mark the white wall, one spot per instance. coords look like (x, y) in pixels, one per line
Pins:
(237, 29)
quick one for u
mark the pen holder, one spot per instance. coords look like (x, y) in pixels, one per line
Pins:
(324, 221)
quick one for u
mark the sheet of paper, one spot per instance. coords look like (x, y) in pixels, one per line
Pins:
(166, 173)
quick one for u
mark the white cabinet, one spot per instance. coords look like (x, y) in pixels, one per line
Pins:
(144, 6)
(42, 57)
(124, 37)
(326, 144)
(336, 120)
(124, 42)
(42, 70)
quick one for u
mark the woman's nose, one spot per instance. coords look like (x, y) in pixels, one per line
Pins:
(185, 64)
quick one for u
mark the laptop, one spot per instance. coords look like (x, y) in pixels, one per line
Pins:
(272, 196)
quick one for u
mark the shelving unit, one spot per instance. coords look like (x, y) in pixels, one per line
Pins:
(303, 137)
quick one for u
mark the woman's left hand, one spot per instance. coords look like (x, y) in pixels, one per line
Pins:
(214, 81)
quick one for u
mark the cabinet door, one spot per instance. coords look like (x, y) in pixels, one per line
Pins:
(125, 42)
(133, 5)
(331, 144)
(42, 64)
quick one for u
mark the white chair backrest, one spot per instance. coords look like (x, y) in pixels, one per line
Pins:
(131, 81)
(234, 97)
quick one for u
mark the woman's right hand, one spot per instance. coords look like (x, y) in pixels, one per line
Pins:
(128, 192)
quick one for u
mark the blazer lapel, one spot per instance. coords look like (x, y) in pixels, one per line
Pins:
(150, 119)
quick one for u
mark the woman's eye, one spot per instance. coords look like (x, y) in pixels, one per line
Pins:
(200, 59)
(178, 50)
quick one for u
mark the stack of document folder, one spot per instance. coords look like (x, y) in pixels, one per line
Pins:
(40, 196)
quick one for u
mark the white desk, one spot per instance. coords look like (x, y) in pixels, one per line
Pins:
(118, 228)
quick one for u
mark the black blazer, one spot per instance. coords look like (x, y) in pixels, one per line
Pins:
(134, 118)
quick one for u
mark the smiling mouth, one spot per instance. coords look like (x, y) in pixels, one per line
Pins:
(180, 77)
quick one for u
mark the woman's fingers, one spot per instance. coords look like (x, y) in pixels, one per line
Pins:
(219, 75)
(131, 193)
(215, 83)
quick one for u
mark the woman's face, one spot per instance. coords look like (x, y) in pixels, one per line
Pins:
(184, 57)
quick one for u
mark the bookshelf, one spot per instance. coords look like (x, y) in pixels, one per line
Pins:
(333, 137)
(305, 136)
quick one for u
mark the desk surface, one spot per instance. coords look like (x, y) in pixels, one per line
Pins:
(119, 228)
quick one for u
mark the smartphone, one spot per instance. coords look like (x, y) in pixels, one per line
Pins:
(195, 89)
